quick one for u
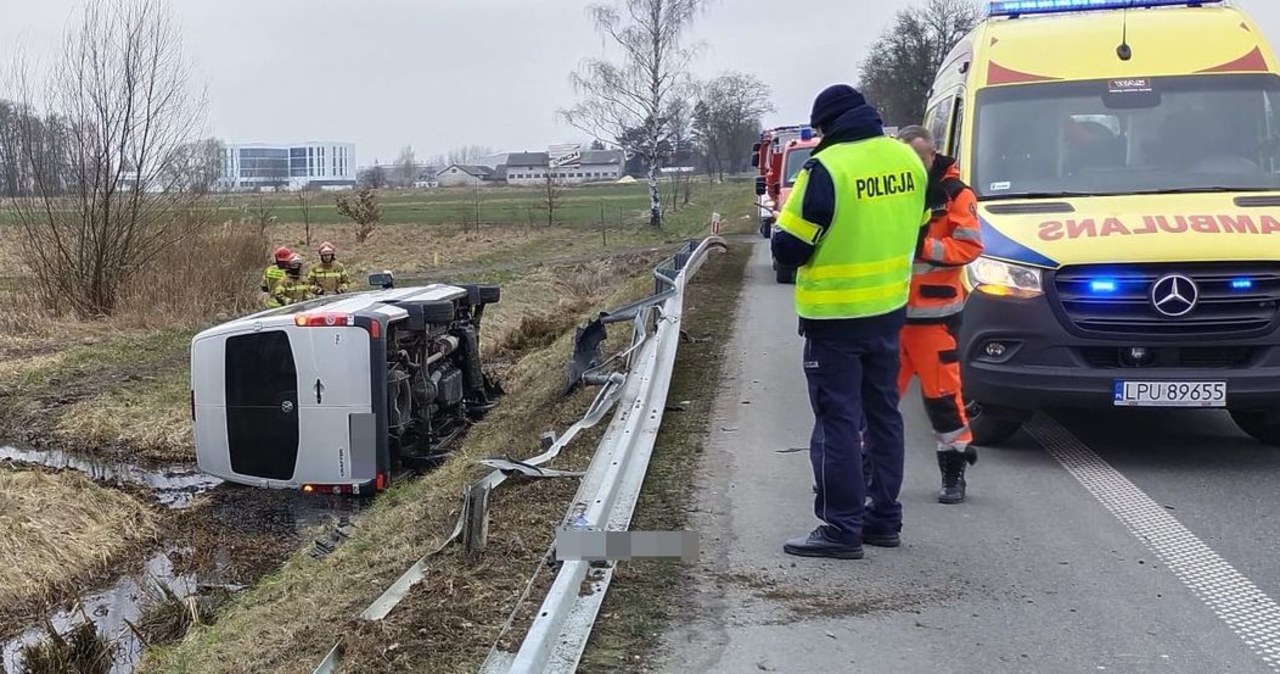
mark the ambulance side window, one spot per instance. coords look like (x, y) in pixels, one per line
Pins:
(954, 147)
(937, 122)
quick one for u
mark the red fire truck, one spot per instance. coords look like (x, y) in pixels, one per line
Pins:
(778, 156)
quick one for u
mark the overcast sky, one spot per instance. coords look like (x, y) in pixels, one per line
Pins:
(437, 74)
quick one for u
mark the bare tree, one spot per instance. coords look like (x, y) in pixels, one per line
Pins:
(364, 211)
(637, 94)
(407, 167)
(727, 118)
(898, 72)
(552, 193)
(468, 154)
(374, 177)
(306, 196)
(106, 200)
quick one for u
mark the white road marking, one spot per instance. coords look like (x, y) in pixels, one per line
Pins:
(1249, 612)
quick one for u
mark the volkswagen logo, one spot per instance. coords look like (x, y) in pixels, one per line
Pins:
(286, 406)
(1174, 295)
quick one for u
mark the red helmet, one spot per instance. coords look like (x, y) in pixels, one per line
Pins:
(283, 254)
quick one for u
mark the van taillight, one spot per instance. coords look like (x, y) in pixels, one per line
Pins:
(381, 481)
(324, 320)
(328, 489)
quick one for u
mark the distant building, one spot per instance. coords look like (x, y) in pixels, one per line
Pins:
(568, 164)
(264, 166)
(459, 175)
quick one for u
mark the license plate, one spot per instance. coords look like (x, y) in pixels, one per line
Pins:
(1171, 393)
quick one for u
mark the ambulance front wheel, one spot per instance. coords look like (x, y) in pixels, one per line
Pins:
(989, 426)
(1259, 425)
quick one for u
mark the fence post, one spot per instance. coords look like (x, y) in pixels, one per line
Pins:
(475, 527)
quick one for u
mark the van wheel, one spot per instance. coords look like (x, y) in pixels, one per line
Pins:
(438, 312)
(990, 430)
(1257, 425)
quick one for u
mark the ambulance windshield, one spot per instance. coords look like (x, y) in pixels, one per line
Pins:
(1139, 135)
(795, 162)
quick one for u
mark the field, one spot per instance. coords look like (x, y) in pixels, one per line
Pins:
(117, 389)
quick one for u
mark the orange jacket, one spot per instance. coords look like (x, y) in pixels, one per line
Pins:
(951, 240)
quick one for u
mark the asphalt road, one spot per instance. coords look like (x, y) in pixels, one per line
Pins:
(1124, 542)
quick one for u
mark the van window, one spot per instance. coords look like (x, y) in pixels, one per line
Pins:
(1085, 138)
(795, 161)
(262, 405)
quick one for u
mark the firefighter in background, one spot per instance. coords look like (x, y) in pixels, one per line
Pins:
(293, 288)
(274, 273)
(329, 277)
(951, 240)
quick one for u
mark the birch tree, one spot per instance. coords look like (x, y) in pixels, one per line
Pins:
(639, 90)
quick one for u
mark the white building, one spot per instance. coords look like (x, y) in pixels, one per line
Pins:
(296, 166)
(570, 165)
(459, 175)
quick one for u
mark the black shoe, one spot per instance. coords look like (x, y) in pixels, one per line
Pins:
(818, 544)
(952, 465)
(881, 540)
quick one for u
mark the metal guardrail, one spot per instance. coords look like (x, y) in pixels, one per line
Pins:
(610, 485)
(561, 626)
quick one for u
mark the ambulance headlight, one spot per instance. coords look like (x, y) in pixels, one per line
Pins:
(1004, 279)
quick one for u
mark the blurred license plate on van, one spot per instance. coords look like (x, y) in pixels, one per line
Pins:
(1171, 393)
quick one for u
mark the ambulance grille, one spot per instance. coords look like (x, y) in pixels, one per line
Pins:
(1233, 299)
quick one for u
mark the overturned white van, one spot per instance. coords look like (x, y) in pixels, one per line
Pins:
(339, 394)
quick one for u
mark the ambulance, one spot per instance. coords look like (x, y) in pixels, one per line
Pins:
(1126, 159)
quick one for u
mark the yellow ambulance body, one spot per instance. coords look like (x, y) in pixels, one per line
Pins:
(1126, 159)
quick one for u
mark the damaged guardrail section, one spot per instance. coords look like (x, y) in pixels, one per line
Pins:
(609, 488)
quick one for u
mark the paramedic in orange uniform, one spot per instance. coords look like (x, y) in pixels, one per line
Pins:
(951, 240)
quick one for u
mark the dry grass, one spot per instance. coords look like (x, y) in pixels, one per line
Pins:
(80, 651)
(58, 529)
(151, 415)
(292, 617)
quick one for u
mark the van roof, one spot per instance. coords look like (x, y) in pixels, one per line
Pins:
(345, 304)
(1082, 46)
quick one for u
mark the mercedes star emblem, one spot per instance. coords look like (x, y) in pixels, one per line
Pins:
(287, 406)
(1174, 295)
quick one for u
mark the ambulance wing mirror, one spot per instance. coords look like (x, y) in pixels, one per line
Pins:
(761, 187)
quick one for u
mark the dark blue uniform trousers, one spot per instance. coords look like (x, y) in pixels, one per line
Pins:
(849, 382)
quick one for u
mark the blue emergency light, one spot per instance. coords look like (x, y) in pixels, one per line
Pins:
(1241, 284)
(1018, 7)
(806, 133)
(1103, 285)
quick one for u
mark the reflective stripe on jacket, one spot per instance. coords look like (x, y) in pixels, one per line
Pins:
(289, 291)
(330, 277)
(271, 277)
(952, 240)
(861, 265)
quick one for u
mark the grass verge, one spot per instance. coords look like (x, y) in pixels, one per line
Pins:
(58, 530)
(292, 617)
(645, 594)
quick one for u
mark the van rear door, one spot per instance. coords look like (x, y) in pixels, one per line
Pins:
(335, 413)
(245, 388)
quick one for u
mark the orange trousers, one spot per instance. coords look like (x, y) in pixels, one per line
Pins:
(929, 352)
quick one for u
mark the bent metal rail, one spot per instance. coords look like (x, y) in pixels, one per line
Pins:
(610, 486)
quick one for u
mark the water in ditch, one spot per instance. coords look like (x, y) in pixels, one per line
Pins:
(229, 516)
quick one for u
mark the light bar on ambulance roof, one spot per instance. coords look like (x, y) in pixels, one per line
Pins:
(1018, 7)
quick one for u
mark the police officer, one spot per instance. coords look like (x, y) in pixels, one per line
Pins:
(330, 276)
(951, 240)
(850, 225)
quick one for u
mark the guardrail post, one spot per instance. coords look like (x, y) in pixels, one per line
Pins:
(475, 528)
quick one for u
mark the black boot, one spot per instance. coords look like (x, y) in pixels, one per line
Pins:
(952, 465)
